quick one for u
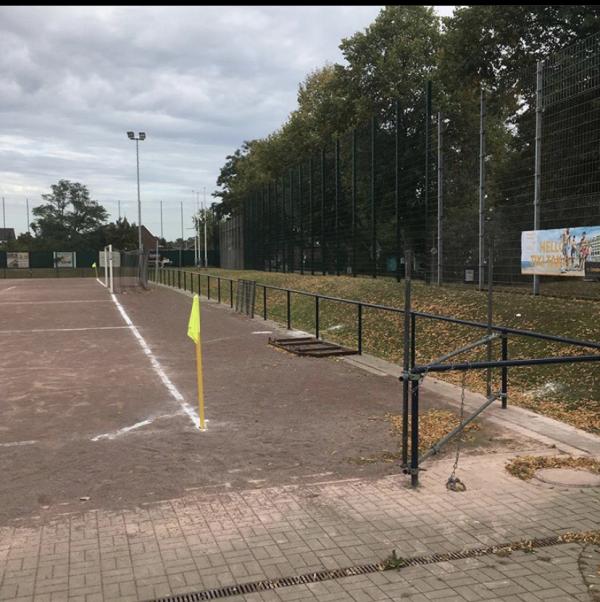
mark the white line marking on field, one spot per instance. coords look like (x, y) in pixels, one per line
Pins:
(53, 302)
(263, 332)
(100, 282)
(7, 289)
(157, 367)
(124, 430)
(64, 329)
(16, 443)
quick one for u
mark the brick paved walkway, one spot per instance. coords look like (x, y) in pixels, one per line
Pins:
(211, 539)
(217, 536)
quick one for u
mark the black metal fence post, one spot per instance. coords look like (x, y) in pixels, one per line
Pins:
(427, 169)
(504, 390)
(179, 278)
(407, 351)
(231, 294)
(219, 289)
(353, 222)
(359, 327)
(310, 212)
(413, 340)
(199, 284)
(284, 237)
(207, 286)
(372, 194)
(264, 302)
(337, 203)
(292, 233)
(414, 442)
(289, 310)
(269, 228)
(301, 216)
(397, 189)
(490, 310)
(322, 241)
(317, 324)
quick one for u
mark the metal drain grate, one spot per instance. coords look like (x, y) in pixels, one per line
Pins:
(363, 569)
(310, 346)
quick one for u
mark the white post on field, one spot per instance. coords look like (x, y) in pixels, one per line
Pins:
(105, 267)
(110, 268)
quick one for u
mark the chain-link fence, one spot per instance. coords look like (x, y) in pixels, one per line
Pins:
(443, 181)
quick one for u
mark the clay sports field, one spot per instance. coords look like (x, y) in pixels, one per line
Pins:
(99, 402)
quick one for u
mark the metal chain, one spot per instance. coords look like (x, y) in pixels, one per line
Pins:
(454, 483)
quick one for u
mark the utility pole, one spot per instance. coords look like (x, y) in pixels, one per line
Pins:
(197, 224)
(205, 218)
(181, 245)
(141, 136)
(161, 221)
(27, 205)
(3, 214)
(196, 229)
(119, 206)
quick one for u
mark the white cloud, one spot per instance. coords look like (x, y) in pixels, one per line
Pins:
(198, 80)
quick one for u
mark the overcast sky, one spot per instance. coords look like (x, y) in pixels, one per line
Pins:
(198, 80)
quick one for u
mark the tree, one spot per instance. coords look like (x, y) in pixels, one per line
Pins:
(391, 59)
(120, 234)
(69, 218)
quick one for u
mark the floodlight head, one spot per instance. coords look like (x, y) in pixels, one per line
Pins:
(142, 135)
(130, 135)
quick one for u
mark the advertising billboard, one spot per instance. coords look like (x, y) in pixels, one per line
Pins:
(17, 260)
(116, 256)
(560, 252)
(64, 259)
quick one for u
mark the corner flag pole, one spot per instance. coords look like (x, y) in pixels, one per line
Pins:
(194, 334)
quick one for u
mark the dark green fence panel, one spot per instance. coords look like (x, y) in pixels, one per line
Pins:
(86, 257)
(41, 259)
(178, 258)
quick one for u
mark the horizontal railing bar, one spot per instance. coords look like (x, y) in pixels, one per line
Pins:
(565, 359)
(481, 325)
(509, 330)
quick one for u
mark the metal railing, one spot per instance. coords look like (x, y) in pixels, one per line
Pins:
(412, 373)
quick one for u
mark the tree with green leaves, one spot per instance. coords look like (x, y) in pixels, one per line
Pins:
(121, 235)
(69, 218)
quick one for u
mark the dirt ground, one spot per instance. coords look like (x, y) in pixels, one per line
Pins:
(86, 415)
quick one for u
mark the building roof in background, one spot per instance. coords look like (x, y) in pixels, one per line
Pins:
(7, 234)
(148, 239)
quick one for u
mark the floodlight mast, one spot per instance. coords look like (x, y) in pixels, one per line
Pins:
(141, 136)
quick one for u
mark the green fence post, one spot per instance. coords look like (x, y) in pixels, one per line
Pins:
(323, 245)
(354, 202)
(337, 203)
(373, 213)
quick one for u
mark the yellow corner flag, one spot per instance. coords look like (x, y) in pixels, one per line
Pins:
(194, 333)
(194, 322)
